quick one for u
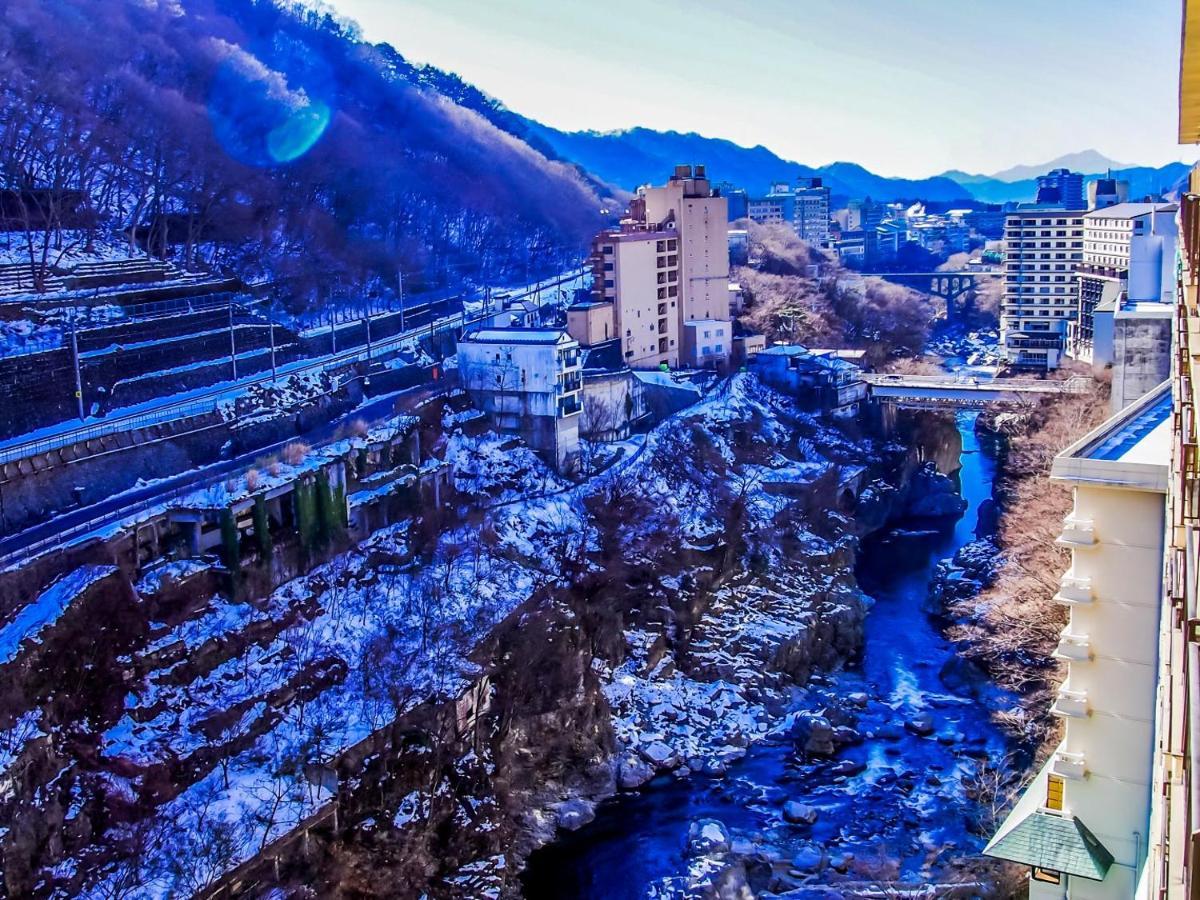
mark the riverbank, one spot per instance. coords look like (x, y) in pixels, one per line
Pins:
(859, 775)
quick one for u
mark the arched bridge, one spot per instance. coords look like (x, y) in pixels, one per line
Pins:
(952, 287)
(965, 391)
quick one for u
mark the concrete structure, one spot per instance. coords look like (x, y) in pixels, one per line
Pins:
(1141, 349)
(1128, 248)
(1044, 247)
(864, 215)
(1082, 824)
(668, 265)
(819, 380)
(591, 322)
(746, 346)
(612, 403)
(529, 382)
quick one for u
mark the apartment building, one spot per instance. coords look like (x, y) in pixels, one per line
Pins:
(528, 380)
(1062, 188)
(1128, 258)
(1044, 245)
(667, 266)
(1082, 825)
(810, 211)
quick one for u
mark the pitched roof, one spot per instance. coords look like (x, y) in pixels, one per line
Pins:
(1058, 843)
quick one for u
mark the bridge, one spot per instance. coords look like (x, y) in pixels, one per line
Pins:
(950, 286)
(966, 391)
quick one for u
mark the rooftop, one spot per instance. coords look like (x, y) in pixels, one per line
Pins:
(1131, 450)
(785, 350)
(1130, 210)
(516, 336)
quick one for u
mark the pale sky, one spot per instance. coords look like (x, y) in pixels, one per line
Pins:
(903, 87)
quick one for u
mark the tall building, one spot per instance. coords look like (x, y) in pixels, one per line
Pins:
(1062, 188)
(736, 198)
(666, 272)
(1083, 822)
(810, 212)
(1128, 256)
(1043, 247)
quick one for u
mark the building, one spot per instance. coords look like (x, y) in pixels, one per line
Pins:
(1082, 824)
(821, 380)
(529, 381)
(591, 322)
(736, 198)
(864, 215)
(1128, 254)
(739, 245)
(666, 266)
(1044, 245)
(1062, 188)
(773, 209)
(1106, 192)
(810, 211)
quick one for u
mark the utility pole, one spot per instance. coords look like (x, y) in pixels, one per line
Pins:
(400, 285)
(368, 321)
(274, 373)
(232, 342)
(75, 361)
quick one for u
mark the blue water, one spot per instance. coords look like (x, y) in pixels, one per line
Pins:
(905, 802)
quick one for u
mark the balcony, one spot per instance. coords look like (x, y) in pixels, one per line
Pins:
(1074, 590)
(1068, 764)
(569, 406)
(1073, 647)
(1077, 532)
(1070, 703)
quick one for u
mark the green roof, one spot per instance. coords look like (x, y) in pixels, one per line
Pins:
(1058, 843)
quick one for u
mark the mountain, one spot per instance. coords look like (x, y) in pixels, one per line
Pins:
(1089, 162)
(267, 138)
(1143, 181)
(639, 156)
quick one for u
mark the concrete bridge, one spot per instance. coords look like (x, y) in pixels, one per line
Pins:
(966, 391)
(952, 287)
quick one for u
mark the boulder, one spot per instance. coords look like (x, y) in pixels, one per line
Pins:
(921, 724)
(809, 857)
(814, 735)
(707, 837)
(932, 495)
(660, 755)
(963, 677)
(799, 813)
(848, 767)
(574, 813)
(633, 771)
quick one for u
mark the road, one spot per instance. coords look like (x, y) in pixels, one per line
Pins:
(108, 512)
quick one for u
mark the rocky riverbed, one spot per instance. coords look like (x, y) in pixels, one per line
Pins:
(757, 779)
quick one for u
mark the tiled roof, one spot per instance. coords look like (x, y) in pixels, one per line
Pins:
(1058, 843)
(515, 336)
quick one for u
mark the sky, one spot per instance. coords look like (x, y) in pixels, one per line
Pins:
(904, 87)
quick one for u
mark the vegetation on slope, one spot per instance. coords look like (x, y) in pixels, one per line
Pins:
(268, 139)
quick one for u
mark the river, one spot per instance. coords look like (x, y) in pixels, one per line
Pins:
(902, 799)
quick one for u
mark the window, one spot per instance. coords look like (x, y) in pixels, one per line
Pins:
(608, 248)
(1054, 792)
(608, 267)
(608, 282)
(1048, 876)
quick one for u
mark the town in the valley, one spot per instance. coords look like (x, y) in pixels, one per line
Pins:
(402, 497)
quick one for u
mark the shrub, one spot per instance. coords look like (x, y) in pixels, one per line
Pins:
(295, 453)
(253, 480)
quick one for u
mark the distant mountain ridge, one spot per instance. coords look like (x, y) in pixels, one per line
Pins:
(639, 156)
(636, 156)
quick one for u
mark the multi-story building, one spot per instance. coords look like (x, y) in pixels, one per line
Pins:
(528, 380)
(773, 209)
(864, 215)
(666, 266)
(1082, 825)
(810, 211)
(1043, 247)
(1106, 191)
(737, 199)
(1128, 256)
(1062, 188)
